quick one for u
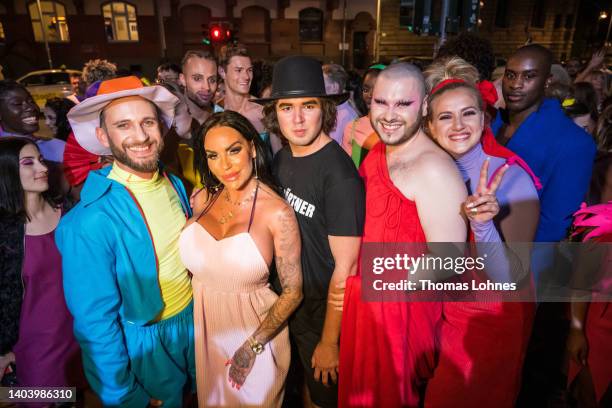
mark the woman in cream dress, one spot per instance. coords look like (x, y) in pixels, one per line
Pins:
(240, 225)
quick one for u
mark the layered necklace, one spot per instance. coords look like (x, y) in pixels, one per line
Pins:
(230, 214)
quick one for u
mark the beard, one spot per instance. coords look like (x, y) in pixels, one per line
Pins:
(202, 103)
(408, 134)
(120, 154)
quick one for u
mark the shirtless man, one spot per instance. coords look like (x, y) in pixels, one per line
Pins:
(421, 189)
(236, 69)
(199, 78)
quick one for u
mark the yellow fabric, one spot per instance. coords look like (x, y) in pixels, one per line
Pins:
(185, 155)
(165, 218)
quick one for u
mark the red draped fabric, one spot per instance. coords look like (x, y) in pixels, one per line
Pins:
(387, 349)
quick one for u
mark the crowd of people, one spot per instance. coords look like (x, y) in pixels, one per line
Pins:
(197, 241)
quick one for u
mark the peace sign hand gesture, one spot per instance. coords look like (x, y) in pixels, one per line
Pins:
(482, 206)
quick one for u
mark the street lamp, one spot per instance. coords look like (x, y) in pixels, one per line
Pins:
(602, 16)
(44, 33)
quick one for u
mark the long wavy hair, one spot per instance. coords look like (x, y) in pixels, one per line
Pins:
(328, 113)
(242, 125)
(12, 195)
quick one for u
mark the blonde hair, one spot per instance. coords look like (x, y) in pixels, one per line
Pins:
(451, 68)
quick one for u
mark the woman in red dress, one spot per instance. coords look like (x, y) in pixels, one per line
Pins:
(481, 343)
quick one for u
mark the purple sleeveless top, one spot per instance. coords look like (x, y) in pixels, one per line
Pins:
(46, 353)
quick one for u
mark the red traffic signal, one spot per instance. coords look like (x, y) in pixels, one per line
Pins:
(219, 33)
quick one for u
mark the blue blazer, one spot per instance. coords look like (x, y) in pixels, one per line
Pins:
(561, 154)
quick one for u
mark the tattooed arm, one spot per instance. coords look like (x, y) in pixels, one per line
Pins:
(287, 252)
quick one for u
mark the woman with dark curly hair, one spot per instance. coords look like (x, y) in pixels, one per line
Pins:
(55, 112)
(36, 334)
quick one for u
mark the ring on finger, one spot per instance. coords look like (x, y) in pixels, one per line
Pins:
(474, 210)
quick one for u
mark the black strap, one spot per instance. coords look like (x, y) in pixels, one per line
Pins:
(253, 208)
(210, 204)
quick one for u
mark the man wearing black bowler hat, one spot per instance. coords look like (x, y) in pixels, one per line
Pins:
(322, 185)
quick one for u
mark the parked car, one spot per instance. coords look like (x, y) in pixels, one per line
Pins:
(48, 83)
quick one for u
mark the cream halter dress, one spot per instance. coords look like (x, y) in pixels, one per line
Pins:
(231, 297)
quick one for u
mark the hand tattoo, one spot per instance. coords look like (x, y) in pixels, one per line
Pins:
(242, 363)
(242, 359)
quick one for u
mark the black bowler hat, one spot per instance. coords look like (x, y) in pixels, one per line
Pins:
(299, 77)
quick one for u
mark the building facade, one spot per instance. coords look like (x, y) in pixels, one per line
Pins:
(508, 24)
(138, 34)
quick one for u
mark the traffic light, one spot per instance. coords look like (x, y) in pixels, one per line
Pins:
(216, 34)
(220, 33)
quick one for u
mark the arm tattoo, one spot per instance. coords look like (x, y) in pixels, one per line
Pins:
(289, 268)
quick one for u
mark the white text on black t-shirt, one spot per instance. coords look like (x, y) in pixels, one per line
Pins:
(299, 205)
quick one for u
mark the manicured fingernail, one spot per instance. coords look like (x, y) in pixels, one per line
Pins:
(469, 205)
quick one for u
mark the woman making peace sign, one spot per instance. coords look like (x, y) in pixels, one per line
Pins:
(482, 344)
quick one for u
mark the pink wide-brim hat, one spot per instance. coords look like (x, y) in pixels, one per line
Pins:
(84, 118)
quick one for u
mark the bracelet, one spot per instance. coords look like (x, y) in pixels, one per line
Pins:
(576, 324)
(256, 347)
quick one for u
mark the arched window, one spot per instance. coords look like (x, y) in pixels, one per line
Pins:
(255, 24)
(194, 20)
(53, 21)
(311, 24)
(120, 22)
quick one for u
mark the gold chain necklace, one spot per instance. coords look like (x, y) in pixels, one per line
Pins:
(225, 218)
(240, 203)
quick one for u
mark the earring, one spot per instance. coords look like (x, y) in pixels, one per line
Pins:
(255, 167)
(217, 186)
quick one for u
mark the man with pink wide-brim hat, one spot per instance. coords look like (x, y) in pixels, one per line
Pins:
(124, 282)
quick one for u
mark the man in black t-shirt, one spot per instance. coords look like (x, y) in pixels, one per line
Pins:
(322, 185)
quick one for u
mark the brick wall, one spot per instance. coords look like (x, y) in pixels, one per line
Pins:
(22, 54)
